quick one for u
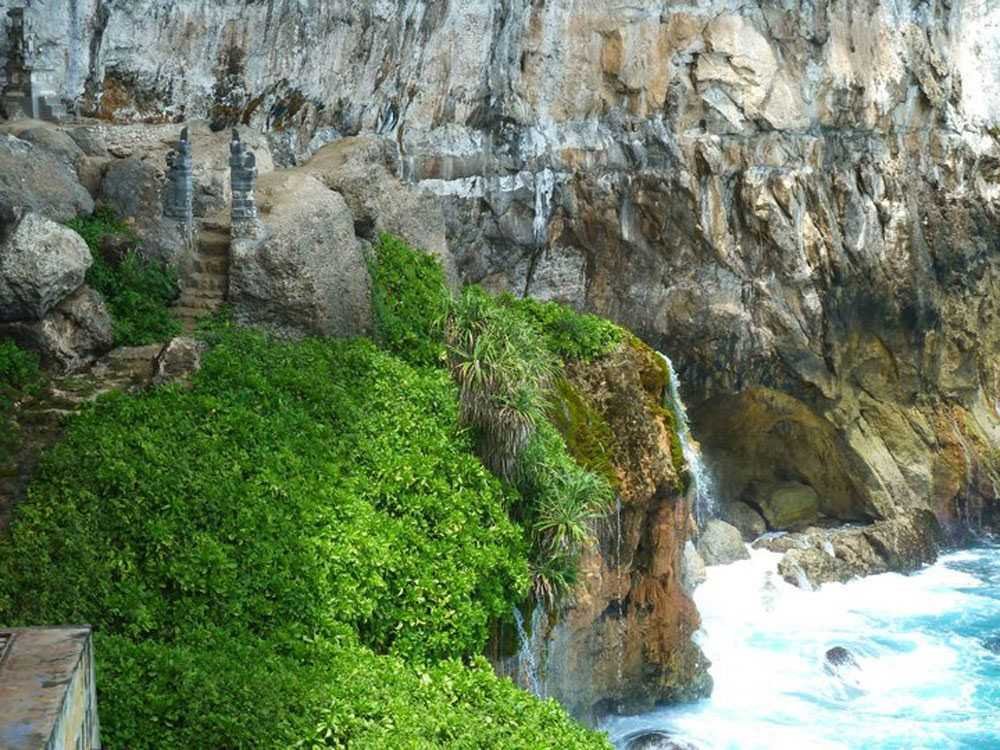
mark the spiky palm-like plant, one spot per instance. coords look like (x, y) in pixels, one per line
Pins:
(502, 369)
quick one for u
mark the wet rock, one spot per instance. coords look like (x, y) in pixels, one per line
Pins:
(178, 360)
(307, 274)
(838, 656)
(992, 643)
(656, 741)
(781, 542)
(907, 542)
(40, 181)
(693, 568)
(721, 543)
(791, 505)
(41, 263)
(811, 567)
(750, 523)
(70, 336)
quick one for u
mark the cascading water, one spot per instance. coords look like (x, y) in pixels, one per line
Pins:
(880, 663)
(701, 480)
(530, 647)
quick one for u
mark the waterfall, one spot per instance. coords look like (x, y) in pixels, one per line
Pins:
(704, 490)
(529, 650)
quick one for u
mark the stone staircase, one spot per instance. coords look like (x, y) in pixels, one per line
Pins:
(204, 288)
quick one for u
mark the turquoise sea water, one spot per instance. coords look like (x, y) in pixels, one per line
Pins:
(925, 671)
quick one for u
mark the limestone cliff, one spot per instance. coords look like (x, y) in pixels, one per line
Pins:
(797, 200)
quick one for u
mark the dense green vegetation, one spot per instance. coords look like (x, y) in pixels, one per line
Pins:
(409, 301)
(302, 511)
(138, 292)
(302, 548)
(19, 376)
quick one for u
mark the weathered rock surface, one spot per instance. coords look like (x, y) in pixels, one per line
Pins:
(360, 169)
(720, 543)
(307, 274)
(902, 544)
(70, 336)
(41, 263)
(693, 570)
(178, 360)
(790, 505)
(750, 523)
(40, 181)
(629, 628)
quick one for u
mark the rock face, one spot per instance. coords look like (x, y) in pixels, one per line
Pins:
(625, 643)
(799, 205)
(41, 263)
(720, 543)
(40, 180)
(70, 336)
(902, 544)
(307, 274)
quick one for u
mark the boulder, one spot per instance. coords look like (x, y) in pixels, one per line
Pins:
(721, 543)
(992, 643)
(654, 740)
(71, 336)
(906, 542)
(90, 141)
(40, 181)
(55, 142)
(838, 656)
(750, 523)
(693, 568)
(41, 263)
(361, 169)
(178, 360)
(790, 505)
(307, 275)
(811, 567)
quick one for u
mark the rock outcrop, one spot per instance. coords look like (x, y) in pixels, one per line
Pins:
(307, 274)
(719, 543)
(624, 643)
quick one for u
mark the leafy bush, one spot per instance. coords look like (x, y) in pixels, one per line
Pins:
(138, 292)
(502, 369)
(409, 301)
(300, 506)
(19, 375)
(567, 333)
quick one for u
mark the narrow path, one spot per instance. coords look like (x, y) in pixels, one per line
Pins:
(204, 290)
(41, 418)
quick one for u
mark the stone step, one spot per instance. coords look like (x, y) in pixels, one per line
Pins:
(218, 224)
(211, 282)
(210, 243)
(211, 264)
(196, 313)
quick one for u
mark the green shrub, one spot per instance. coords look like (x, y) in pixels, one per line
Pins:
(502, 369)
(19, 375)
(567, 333)
(248, 546)
(138, 292)
(562, 502)
(409, 301)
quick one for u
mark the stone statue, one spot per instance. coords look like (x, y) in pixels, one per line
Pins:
(243, 173)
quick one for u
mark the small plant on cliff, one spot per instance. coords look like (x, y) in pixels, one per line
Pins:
(502, 369)
(137, 291)
(409, 301)
(567, 333)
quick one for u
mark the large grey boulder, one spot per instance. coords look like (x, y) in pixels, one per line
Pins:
(362, 170)
(55, 142)
(40, 181)
(70, 336)
(307, 275)
(41, 263)
(750, 523)
(791, 505)
(721, 543)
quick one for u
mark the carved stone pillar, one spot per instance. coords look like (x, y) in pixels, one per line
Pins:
(245, 222)
(178, 199)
